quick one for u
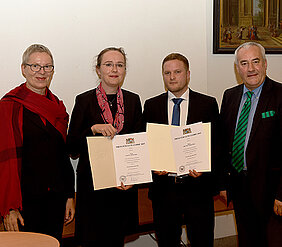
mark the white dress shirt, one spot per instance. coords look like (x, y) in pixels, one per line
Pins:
(183, 107)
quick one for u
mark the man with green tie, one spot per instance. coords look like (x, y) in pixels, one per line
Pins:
(251, 118)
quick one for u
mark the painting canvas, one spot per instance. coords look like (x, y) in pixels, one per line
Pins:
(240, 21)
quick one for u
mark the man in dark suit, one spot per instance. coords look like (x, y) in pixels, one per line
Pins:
(255, 174)
(186, 199)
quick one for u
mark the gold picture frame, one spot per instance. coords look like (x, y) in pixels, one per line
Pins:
(240, 21)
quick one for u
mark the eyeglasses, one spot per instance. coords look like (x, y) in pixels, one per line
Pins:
(112, 65)
(37, 67)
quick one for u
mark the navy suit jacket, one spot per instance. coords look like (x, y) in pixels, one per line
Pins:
(263, 153)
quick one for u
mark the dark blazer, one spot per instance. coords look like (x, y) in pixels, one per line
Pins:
(86, 113)
(45, 163)
(201, 108)
(107, 205)
(263, 153)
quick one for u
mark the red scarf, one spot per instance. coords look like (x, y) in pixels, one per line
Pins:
(11, 137)
(106, 112)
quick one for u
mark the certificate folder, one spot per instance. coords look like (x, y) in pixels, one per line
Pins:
(125, 158)
(101, 156)
(163, 155)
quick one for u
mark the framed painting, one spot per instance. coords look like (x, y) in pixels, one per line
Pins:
(239, 21)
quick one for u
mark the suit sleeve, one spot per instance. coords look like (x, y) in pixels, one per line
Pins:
(138, 118)
(77, 130)
(213, 112)
(152, 112)
(222, 144)
(279, 189)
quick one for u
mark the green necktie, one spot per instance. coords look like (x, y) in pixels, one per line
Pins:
(240, 135)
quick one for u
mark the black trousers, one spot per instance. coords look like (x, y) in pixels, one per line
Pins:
(254, 227)
(44, 214)
(104, 217)
(173, 208)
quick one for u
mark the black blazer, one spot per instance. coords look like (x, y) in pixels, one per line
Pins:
(86, 113)
(201, 108)
(101, 203)
(45, 163)
(263, 153)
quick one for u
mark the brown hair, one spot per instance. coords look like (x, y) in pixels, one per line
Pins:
(100, 55)
(176, 56)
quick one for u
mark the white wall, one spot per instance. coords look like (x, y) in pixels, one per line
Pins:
(220, 68)
(76, 31)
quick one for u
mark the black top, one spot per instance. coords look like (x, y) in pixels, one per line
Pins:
(112, 100)
(45, 163)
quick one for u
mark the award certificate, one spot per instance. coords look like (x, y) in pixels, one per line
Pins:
(178, 149)
(125, 159)
(190, 149)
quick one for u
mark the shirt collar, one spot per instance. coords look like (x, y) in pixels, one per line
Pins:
(256, 91)
(183, 96)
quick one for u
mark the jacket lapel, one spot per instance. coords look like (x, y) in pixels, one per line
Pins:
(261, 107)
(162, 106)
(235, 107)
(191, 108)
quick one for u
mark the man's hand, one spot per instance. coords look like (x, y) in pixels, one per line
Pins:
(277, 207)
(11, 220)
(70, 211)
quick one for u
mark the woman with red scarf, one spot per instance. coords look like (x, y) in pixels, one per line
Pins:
(36, 176)
(104, 216)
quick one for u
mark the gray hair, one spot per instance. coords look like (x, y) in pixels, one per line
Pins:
(247, 45)
(35, 48)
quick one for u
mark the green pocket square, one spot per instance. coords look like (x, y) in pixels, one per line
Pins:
(268, 114)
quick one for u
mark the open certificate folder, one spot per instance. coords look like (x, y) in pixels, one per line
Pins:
(125, 159)
(179, 149)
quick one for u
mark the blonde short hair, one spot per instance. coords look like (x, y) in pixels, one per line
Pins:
(35, 48)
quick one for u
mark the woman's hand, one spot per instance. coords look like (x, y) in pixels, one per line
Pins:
(70, 210)
(160, 172)
(124, 187)
(11, 220)
(104, 129)
(194, 173)
(223, 197)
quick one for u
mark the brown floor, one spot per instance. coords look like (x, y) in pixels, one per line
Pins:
(226, 242)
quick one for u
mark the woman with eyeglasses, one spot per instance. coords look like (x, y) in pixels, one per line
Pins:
(104, 216)
(36, 176)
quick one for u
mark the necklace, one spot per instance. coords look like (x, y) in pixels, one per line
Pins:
(110, 102)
